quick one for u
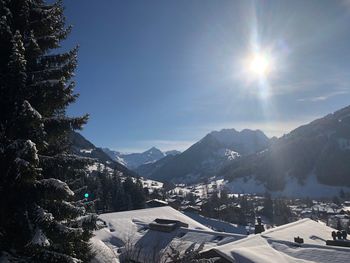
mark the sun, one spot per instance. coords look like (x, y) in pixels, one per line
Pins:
(260, 64)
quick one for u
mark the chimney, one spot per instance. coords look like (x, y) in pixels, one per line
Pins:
(259, 228)
(298, 240)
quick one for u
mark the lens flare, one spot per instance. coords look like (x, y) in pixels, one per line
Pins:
(260, 64)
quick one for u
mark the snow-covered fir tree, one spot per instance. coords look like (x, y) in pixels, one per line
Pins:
(41, 217)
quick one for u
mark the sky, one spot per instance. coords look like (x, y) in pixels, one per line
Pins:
(165, 73)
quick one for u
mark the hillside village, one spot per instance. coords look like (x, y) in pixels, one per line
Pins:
(225, 216)
(208, 222)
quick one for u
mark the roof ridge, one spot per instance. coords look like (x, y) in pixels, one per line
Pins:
(274, 229)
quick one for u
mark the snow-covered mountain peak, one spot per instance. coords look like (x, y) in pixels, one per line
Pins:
(172, 152)
(134, 160)
(154, 152)
(246, 141)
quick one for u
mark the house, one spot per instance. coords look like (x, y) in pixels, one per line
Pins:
(174, 203)
(191, 209)
(156, 203)
(278, 245)
(148, 235)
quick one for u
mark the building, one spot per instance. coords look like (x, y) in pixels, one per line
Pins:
(277, 245)
(149, 235)
(156, 203)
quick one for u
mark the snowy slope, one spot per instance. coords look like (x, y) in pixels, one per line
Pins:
(311, 187)
(83, 147)
(320, 148)
(209, 155)
(245, 142)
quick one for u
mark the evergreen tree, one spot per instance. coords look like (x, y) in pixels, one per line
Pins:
(139, 199)
(268, 206)
(112, 194)
(135, 195)
(282, 213)
(119, 202)
(41, 219)
(155, 194)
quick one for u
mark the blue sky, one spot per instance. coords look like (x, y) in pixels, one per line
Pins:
(165, 73)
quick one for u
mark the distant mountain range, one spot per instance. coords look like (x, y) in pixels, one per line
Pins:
(134, 160)
(307, 159)
(206, 157)
(312, 158)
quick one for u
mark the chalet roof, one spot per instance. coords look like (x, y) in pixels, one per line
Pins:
(157, 201)
(130, 230)
(277, 245)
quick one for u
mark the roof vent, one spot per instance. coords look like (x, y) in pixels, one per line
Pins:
(259, 228)
(166, 225)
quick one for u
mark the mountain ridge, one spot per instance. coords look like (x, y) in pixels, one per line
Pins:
(204, 158)
(83, 147)
(320, 148)
(134, 160)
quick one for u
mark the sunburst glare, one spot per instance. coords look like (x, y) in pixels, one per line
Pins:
(260, 64)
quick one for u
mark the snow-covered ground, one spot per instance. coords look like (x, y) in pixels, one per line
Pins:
(147, 183)
(151, 184)
(96, 166)
(201, 190)
(244, 185)
(86, 150)
(311, 188)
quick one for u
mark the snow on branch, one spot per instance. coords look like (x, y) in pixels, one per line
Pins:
(55, 187)
(39, 239)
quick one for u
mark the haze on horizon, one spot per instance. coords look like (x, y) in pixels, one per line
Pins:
(166, 73)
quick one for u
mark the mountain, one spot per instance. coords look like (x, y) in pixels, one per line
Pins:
(134, 160)
(209, 155)
(172, 152)
(147, 169)
(244, 142)
(310, 157)
(82, 147)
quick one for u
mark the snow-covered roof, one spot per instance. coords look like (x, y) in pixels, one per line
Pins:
(129, 231)
(346, 208)
(157, 201)
(217, 224)
(102, 253)
(277, 245)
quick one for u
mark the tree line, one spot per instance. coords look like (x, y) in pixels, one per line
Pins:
(112, 192)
